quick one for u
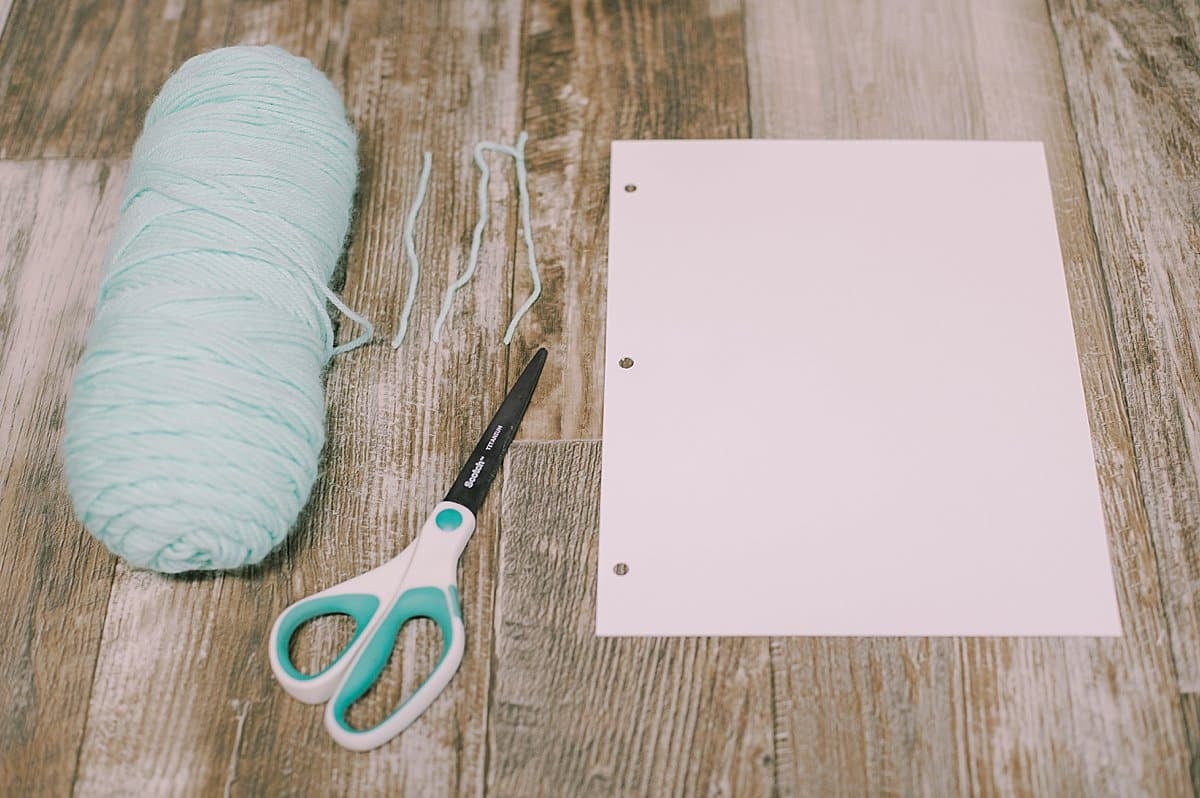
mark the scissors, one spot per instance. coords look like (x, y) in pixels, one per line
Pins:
(421, 582)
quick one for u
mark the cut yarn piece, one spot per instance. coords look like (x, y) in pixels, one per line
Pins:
(410, 250)
(517, 153)
(197, 415)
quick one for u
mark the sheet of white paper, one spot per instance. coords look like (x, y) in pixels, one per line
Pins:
(855, 405)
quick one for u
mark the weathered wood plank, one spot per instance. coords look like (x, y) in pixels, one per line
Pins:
(595, 72)
(1072, 717)
(76, 77)
(877, 716)
(574, 714)
(862, 69)
(1191, 714)
(184, 699)
(1134, 85)
(1014, 716)
(1107, 692)
(56, 216)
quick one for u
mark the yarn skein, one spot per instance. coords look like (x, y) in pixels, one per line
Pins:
(196, 417)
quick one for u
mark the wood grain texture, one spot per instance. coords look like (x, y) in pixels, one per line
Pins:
(1191, 713)
(184, 659)
(77, 76)
(595, 72)
(877, 716)
(56, 217)
(1134, 87)
(574, 714)
(1014, 716)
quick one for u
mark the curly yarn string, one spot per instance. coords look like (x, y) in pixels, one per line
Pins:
(517, 153)
(410, 249)
(196, 418)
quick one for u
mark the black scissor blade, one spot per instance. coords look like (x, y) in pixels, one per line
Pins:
(472, 483)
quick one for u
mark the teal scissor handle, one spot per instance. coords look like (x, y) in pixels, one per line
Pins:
(358, 606)
(440, 605)
(418, 583)
(362, 598)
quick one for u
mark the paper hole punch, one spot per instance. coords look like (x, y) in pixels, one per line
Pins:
(620, 569)
(625, 362)
(630, 187)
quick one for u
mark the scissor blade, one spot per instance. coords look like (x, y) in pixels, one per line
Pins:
(481, 469)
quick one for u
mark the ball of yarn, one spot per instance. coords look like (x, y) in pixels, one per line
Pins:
(196, 417)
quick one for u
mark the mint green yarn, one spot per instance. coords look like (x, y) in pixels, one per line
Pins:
(196, 418)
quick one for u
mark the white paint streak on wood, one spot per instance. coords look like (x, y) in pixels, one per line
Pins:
(56, 217)
(144, 691)
(173, 10)
(240, 710)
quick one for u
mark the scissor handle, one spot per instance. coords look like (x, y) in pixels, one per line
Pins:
(439, 605)
(317, 687)
(419, 583)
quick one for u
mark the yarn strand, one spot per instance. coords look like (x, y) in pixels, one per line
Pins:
(410, 250)
(368, 329)
(476, 235)
(518, 155)
(527, 231)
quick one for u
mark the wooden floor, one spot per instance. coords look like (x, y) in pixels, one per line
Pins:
(120, 682)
